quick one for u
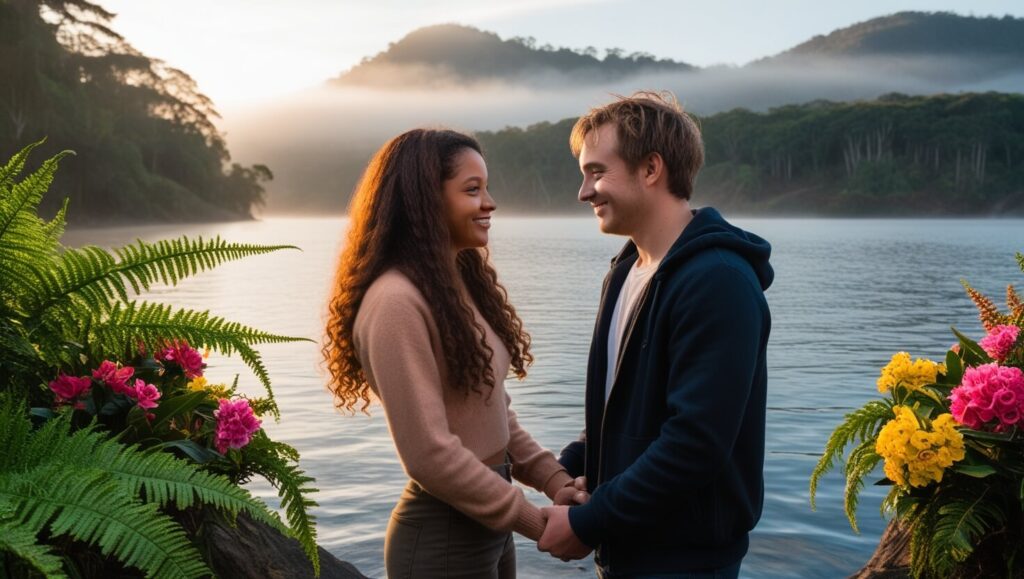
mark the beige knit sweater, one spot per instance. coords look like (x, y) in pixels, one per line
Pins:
(443, 435)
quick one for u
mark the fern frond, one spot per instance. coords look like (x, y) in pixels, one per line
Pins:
(21, 202)
(270, 460)
(87, 505)
(16, 164)
(24, 546)
(154, 324)
(863, 459)
(961, 524)
(1020, 260)
(96, 277)
(861, 424)
(988, 313)
(160, 476)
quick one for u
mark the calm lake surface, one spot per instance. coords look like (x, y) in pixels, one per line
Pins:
(847, 295)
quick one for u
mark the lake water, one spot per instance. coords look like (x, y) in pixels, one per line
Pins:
(847, 295)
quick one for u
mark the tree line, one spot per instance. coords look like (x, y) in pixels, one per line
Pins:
(942, 154)
(147, 148)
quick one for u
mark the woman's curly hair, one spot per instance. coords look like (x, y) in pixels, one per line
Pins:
(397, 220)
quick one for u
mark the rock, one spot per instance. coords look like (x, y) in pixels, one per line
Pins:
(891, 559)
(254, 550)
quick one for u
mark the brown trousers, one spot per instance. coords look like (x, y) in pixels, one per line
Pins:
(427, 539)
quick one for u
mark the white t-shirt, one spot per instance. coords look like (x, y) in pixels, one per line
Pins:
(632, 289)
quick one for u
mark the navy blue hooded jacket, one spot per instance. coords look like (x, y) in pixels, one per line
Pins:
(674, 462)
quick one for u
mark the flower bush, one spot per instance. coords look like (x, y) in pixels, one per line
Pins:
(950, 436)
(82, 360)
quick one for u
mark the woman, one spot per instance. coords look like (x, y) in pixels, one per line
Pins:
(419, 320)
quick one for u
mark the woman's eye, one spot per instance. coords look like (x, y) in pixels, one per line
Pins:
(473, 190)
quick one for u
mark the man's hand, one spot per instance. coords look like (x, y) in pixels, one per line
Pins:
(573, 494)
(558, 538)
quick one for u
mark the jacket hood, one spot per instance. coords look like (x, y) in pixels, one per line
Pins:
(709, 229)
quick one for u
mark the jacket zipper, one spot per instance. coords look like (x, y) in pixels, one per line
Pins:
(618, 366)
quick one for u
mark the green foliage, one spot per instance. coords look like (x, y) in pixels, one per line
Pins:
(273, 461)
(937, 154)
(93, 489)
(965, 509)
(149, 149)
(64, 311)
(861, 425)
(21, 543)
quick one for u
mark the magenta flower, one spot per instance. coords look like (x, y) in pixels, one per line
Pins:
(115, 378)
(68, 388)
(999, 341)
(236, 423)
(987, 394)
(180, 353)
(146, 395)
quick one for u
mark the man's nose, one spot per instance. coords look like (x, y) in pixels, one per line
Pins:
(586, 192)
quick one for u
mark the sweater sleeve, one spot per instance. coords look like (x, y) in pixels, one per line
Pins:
(714, 344)
(532, 464)
(394, 341)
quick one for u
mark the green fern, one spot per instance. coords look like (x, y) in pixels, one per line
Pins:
(149, 324)
(15, 165)
(862, 424)
(89, 487)
(88, 505)
(95, 277)
(1020, 260)
(862, 460)
(958, 527)
(23, 545)
(274, 463)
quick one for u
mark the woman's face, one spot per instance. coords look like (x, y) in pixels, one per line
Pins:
(468, 204)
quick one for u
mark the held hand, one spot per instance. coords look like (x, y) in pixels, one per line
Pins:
(558, 538)
(569, 496)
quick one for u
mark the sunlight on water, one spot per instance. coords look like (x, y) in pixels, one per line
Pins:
(847, 294)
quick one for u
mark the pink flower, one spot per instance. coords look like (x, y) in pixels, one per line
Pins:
(236, 424)
(1000, 341)
(955, 348)
(115, 378)
(145, 394)
(179, 352)
(68, 388)
(989, 393)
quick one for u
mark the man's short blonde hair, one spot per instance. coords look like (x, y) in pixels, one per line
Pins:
(649, 122)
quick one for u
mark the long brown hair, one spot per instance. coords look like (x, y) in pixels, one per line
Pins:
(397, 220)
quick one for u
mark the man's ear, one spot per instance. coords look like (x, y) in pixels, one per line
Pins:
(653, 168)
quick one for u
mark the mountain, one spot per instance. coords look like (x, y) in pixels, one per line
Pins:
(449, 53)
(473, 80)
(921, 34)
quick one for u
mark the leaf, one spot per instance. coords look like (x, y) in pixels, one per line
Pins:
(197, 452)
(975, 470)
(176, 406)
(954, 369)
(972, 353)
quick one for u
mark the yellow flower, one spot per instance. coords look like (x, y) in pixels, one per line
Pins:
(914, 456)
(215, 390)
(197, 384)
(912, 375)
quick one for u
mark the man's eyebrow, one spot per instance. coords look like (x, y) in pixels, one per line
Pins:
(593, 166)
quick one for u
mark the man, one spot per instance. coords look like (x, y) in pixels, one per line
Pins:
(673, 448)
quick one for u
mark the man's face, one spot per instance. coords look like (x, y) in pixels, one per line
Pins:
(609, 186)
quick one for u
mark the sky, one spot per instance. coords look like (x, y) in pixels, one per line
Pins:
(245, 52)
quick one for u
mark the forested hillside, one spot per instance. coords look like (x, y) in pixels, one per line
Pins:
(945, 154)
(147, 148)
